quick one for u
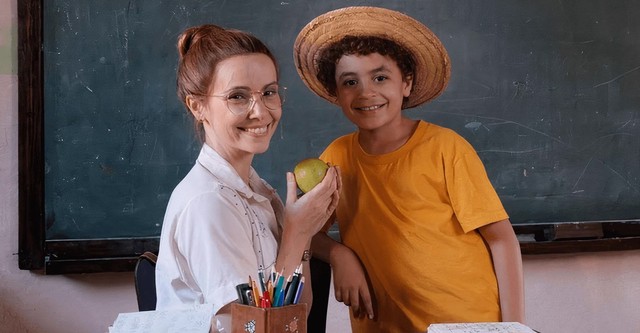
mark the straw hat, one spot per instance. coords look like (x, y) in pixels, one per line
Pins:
(433, 67)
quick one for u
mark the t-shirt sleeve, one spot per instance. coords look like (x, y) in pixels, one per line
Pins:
(215, 241)
(473, 198)
(329, 156)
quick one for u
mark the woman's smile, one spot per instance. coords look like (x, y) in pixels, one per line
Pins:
(257, 131)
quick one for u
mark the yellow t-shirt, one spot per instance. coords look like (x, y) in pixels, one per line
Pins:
(410, 215)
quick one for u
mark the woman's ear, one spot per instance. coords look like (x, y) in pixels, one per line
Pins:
(195, 106)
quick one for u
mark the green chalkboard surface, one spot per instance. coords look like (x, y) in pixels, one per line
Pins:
(547, 92)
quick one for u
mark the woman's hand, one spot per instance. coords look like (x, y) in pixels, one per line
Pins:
(308, 214)
(304, 217)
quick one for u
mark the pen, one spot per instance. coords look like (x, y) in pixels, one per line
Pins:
(281, 299)
(261, 280)
(278, 290)
(299, 291)
(273, 275)
(292, 288)
(287, 285)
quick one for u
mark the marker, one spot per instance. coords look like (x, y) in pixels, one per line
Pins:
(244, 294)
(265, 301)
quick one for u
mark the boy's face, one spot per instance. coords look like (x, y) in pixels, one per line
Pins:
(370, 90)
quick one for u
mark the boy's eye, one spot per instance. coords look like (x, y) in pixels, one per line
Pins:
(379, 78)
(350, 82)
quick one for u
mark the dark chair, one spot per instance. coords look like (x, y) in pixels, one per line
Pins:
(145, 280)
(321, 282)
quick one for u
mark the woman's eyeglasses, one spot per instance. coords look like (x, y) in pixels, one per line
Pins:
(241, 101)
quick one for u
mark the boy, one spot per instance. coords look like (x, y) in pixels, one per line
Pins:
(425, 238)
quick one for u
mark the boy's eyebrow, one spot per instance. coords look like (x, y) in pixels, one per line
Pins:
(343, 74)
(382, 68)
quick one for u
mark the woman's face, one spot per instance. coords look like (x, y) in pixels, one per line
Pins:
(232, 135)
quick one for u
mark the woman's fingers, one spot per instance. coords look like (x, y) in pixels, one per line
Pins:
(292, 188)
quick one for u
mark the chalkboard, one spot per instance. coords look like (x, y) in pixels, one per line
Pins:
(547, 92)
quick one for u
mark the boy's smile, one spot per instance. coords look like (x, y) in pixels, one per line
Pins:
(375, 107)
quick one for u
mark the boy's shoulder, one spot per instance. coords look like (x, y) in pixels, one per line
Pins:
(432, 130)
(443, 137)
(338, 148)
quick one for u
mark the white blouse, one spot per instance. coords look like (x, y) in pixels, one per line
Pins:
(217, 231)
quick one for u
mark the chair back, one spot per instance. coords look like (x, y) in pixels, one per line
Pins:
(321, 277)
(145, 281)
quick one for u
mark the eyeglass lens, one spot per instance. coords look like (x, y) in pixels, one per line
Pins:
(241, 101)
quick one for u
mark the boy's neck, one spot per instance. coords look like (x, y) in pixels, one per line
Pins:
(386, 140)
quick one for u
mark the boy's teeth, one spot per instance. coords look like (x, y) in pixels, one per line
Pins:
(370, 108)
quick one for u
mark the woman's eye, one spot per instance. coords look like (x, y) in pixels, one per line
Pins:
(237, 97)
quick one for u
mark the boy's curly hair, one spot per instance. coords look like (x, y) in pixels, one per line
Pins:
(361, 45)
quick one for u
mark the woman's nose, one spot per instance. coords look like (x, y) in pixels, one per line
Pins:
(257, 108)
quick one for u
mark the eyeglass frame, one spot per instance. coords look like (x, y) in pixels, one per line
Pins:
(281, 93)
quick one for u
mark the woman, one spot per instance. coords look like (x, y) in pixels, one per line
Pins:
(223, 222)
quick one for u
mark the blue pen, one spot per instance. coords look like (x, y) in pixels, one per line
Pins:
(281, 300)
(299, 291)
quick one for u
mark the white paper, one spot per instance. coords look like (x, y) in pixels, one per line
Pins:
(502, 327)
(196, 319)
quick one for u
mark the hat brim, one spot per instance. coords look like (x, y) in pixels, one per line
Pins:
(433, 68)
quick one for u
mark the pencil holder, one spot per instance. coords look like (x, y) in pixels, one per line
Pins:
(285, 319)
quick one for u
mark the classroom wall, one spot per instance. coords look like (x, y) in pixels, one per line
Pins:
(582, 292)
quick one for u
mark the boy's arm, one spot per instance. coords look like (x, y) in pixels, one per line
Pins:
(349, 279)
(507, 262)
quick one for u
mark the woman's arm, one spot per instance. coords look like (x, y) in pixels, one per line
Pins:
(303, 218)
(507, 263)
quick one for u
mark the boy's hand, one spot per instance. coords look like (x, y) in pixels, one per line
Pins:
(350, 282)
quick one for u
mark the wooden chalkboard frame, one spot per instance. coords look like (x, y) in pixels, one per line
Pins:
(101, 255)
(35, 252)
